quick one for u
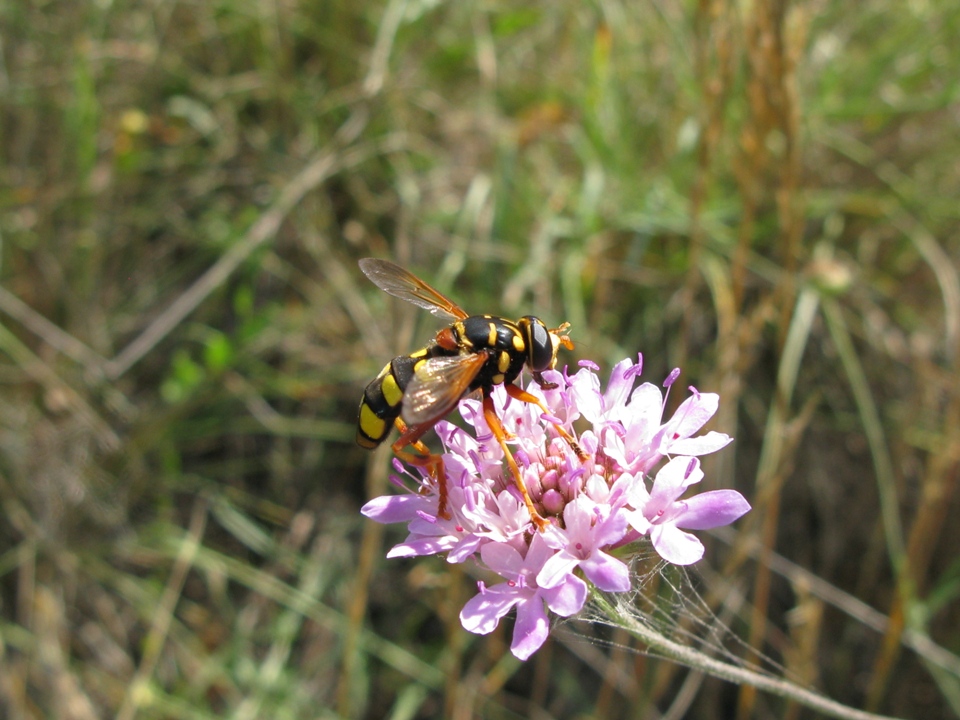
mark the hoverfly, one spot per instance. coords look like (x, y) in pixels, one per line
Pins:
(473, 354)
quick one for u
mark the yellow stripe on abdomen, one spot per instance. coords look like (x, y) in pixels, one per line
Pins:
(371, 425)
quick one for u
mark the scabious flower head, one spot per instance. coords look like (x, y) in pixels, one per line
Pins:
(595, 501)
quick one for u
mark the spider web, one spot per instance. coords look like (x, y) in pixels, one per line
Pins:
(666, 600)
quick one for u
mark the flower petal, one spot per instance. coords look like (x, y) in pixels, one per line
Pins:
(483, 611)
(503, 559)
(619, 386)
(671, 482)
(537, 553)
(638, 521)
(465, 548)
(566, 599)
(693, 414)
(701, 445)
(419, 545)
(585, 391)
(644, 411)
(397, 508)
(712, 509)
(606, 572)
(611, 530)
(531, 628)
(676, 546)
(556, 569)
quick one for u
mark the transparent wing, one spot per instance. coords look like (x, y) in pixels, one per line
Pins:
(438, 386)
(403, 284)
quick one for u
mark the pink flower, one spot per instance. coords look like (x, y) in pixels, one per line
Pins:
(629, 423)
(595, 500)
(482, 613)
(588, 529)
(660, 513)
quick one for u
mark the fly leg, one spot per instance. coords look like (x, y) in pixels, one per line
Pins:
(522, 395)
(493, 422)
(410, 437)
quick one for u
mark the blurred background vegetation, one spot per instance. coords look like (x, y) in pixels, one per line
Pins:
(762, 192)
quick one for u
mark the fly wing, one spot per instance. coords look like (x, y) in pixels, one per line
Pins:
(438, 385)
(396, 281)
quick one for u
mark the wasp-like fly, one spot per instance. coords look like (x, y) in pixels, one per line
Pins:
(473, 354)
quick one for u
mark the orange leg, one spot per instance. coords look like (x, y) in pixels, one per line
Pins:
(410, 437)
(493, 422)
(520, 394)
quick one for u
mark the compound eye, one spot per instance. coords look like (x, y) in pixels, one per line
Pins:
(539, 343)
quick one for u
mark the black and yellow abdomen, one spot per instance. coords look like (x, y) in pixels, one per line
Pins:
(382, 399)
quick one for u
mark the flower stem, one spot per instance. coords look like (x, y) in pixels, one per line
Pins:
(658, 644)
